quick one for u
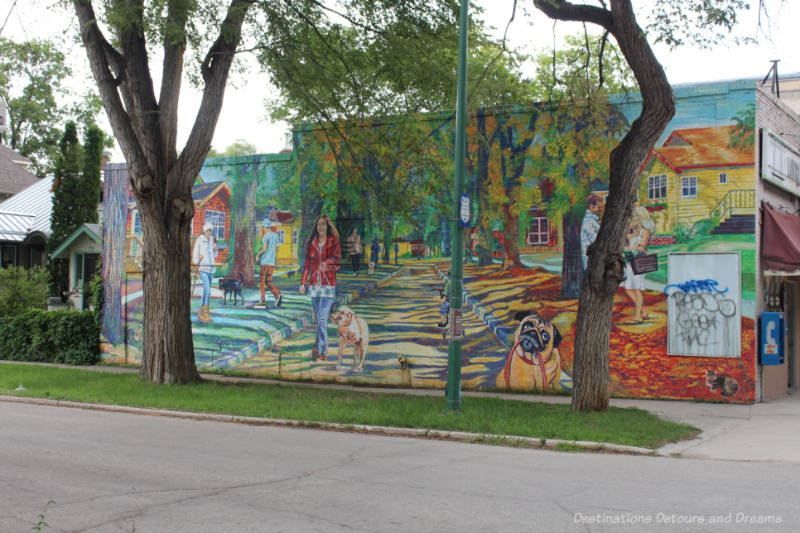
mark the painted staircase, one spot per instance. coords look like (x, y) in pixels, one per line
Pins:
(736, 224)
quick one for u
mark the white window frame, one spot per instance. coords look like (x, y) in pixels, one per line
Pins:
(281, 236)
(657, 187)
(689, 183)
(541, 235)
(723, 178)
(294, 236)
(217, 219)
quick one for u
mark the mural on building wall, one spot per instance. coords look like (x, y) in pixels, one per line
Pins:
(330, 263)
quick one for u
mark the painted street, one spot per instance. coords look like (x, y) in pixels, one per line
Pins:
(402, 315)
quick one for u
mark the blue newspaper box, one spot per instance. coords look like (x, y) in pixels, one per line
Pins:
(771, 338)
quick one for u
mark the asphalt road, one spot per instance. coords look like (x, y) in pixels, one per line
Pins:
(112, 472)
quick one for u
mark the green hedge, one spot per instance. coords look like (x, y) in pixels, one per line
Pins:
(55, 336)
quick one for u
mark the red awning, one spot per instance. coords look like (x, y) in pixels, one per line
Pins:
(780, 242)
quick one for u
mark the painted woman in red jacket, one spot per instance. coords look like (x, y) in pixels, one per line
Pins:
(323, 258)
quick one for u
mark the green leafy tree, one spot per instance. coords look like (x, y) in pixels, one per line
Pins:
(32, 82)
(64, 218)
(76, 192)
(236, 148)
(76, 182)
(584, 67)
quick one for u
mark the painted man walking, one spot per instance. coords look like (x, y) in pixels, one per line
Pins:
(266, 257)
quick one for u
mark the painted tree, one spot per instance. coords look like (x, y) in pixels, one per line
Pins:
(743, 135)
(359, 98)
(145, 122)
(578, 138)
(605, 268)
(507, 189)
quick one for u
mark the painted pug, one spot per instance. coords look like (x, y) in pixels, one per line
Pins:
(533, 361)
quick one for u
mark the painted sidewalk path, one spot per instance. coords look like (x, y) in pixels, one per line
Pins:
(240, 331)
(402, 314)
(294, 314)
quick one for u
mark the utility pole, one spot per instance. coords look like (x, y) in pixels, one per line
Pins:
(457, 248)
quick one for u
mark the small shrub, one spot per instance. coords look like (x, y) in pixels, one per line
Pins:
(22, 289)
(681, 233)
(55, 336)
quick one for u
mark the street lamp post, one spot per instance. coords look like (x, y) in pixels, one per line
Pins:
(457, 249)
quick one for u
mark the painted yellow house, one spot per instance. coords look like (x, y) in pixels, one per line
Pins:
(696, 174)
(288, 229)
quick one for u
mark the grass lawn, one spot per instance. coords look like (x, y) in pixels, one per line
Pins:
(710, 244)
(494, 416)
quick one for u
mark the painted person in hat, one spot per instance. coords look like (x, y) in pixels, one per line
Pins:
(203, 255)
(266, 260)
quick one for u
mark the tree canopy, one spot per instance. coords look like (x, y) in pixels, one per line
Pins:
(33, 77)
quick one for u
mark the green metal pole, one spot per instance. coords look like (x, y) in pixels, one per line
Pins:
(457, 244)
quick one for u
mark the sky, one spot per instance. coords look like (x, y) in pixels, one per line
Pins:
(243, 115)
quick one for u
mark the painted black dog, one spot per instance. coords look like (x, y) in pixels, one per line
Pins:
(232, 287)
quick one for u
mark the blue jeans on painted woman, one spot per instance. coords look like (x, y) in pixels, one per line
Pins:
(322, 308)
(206, 278)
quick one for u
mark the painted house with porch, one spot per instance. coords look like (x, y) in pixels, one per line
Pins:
(697, 174)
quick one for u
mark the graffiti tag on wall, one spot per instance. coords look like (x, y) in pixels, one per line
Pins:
(703, 312)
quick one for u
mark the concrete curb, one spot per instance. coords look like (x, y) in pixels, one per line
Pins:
(461, 436)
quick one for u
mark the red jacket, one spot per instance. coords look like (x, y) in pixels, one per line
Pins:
(331, 255)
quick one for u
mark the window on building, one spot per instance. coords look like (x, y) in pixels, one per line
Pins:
(217, 220)
(657, 187)
(689, 187)
(539, 232)
(294, 236)
(281, 236)
(9, 255)
(723, 178)
(137, 223)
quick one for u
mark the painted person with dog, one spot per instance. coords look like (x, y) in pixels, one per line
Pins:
(641, 227)
(203, 255)
(323, 259)
(266, 259)
(590, 226)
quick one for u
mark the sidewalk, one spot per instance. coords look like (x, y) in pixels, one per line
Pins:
(768, 431)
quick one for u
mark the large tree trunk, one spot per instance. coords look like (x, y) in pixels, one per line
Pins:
(167, 302)
(146, 125)
(605, 269)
